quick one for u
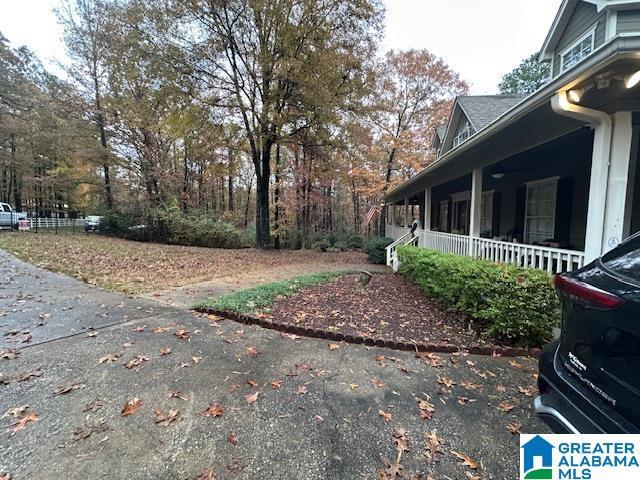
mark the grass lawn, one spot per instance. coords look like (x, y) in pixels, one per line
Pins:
(135, 267)
(254, 300)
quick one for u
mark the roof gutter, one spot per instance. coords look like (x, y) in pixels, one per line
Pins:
(601, 160)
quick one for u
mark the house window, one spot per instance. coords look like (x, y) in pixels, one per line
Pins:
(461, 203)
(540, 211)
(444, 216)
(464, 132)
(486, 215)
(579, 50)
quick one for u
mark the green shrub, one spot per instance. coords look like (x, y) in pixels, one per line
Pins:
(511, 304)
(321, 245)
(170, 225)
(376, 249)
(340, 246)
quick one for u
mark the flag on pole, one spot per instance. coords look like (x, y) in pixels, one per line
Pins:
(370, 213)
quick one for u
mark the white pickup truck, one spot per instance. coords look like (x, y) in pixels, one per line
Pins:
(9, 218)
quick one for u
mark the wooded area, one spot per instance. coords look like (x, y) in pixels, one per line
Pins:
(278, 114)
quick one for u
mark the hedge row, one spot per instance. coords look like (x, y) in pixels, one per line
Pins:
(511, 304)
(173, 227)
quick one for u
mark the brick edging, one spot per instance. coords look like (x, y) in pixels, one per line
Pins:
(370, 341)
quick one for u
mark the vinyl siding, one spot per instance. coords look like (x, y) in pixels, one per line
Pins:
(584, 17)
(628, 21)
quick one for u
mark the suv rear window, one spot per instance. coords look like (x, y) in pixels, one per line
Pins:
(625, 258)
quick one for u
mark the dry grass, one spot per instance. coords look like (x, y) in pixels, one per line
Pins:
(134, 267)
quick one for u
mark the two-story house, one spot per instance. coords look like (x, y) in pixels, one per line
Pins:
(548, 180)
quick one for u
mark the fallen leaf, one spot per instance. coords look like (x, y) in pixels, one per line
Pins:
(301, 390)
(108, 358)
(469, 385)
(252, 398)
(514, 427)
(139, 328)
(252, 351)
(213, 410)
(165, 351)
(354, 386)
(68, 388)
(505, 406)
(377, 382)
(253, 383)
(136, 361)
(80, 433)
(15, 412)
(160, 329)
(426, 409)
(175, 394)
(93, 406)
(164, 419)
(130, 407)
(516, 364)
(385, 416)
(391, 470)
(276, 384)
(471, 476)
(232, 439)
(22, 422)
(447, 382)
(466, 459)
(434, 447)
(400, 441)
(528, 391)
(182, 334)
(381, 360)
(19, 377)
(334, 346)
(196, 360)
(206, 475)
(8, 354)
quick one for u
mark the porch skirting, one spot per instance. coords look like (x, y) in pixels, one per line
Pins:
(551, 260)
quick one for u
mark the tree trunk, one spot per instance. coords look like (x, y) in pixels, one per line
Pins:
(277, 199)
(103, 141)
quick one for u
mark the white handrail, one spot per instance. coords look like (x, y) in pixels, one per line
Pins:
(549, 259)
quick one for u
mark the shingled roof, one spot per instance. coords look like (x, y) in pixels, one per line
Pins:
(481, 110)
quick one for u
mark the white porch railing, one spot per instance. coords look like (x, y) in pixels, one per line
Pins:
(552, 260)
(392, 250)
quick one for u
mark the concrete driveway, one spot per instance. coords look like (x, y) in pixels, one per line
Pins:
(287, 408)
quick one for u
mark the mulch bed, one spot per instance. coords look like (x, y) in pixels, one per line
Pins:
(387, 311)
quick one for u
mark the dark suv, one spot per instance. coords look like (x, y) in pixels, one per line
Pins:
(590, 379)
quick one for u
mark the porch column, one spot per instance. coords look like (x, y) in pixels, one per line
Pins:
(618, 182)
(406, 213)
(427, 209)
(608, 186)
(476, 212)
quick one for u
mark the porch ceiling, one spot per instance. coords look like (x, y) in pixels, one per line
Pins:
(533, 122)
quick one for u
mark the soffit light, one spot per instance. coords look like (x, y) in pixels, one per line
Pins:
(632, 80)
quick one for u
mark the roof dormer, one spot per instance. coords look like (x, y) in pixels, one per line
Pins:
(582, 26)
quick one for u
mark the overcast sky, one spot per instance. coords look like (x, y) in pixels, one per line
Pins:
(481, 39)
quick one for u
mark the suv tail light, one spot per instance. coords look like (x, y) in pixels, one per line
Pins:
(586, 294)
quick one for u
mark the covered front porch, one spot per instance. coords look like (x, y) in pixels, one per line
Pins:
(552, 190)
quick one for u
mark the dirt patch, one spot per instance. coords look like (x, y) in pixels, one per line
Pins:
(388, 307)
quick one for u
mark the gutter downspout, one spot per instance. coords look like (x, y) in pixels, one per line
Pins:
(603, 128)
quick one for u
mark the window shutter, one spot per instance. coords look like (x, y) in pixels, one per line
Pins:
(564, 197)
(495, 215)
(521, 199)
(450, 215)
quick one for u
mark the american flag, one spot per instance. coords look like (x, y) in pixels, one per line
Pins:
(370, 213)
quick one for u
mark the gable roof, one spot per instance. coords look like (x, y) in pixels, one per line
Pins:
(481, 110)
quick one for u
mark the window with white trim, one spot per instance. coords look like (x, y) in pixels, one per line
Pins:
(486, 215)
(444, 216)
(540, 212)
(579, 50)
(465, 130)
